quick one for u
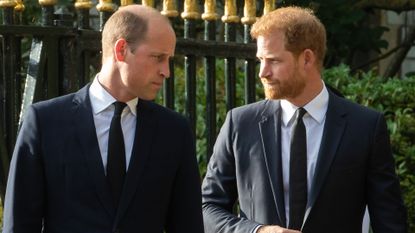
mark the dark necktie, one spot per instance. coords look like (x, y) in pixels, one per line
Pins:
(298, 172)
(116, 153)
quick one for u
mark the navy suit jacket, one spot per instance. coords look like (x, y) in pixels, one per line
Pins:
(57, 181)
(355, 168)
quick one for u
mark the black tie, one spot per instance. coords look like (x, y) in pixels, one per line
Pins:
(298, 172)
(116, 153)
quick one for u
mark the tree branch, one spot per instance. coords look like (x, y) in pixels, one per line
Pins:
(400, 55)
(381, 57)
(393, 5)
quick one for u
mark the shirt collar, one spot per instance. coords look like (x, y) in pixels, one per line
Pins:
(316, 108)
(101, 99)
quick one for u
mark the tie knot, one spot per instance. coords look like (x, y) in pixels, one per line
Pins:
(119, 107)
(300, 113)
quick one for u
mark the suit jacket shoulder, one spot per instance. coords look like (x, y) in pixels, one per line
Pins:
(161, 111)
(254, 112)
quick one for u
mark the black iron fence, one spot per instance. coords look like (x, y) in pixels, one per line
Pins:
(65, 53)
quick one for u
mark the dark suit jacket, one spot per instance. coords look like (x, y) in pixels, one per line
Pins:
(57, 176)
(355, 168)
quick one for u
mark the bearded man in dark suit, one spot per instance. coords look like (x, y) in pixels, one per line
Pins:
(304, 159)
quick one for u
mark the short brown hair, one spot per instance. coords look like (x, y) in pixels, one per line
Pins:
(123, 24)
(302, 30)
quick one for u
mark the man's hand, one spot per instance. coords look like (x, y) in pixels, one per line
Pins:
(275, 229)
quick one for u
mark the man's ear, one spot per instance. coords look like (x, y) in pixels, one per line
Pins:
(120, 49)
(309, 58)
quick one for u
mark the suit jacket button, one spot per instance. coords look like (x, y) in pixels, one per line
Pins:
(117, 231)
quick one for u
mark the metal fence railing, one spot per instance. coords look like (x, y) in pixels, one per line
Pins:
(64, 52)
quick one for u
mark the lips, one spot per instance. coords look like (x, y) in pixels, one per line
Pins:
(268, 84)
(158, 85)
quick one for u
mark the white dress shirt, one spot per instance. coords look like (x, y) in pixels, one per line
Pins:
(314, 122)
(103, 110)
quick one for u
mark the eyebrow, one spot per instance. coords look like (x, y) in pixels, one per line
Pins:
(163, 54)
(267, 57)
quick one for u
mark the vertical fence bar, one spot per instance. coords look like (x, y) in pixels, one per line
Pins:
(231, 19)
(105, 8)
(9, 80)
(8, 8)
(47, 11)
(210, 17)
(9, 110)
(249, 19)
(18, 9)
(190, 15)
(52, 74)
(83, 7)
(4, 156)
(170, 11)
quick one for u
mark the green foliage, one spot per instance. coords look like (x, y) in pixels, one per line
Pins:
(32, 13)
(349, 29)
(395, 98)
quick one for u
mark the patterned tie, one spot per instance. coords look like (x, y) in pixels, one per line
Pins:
(116, 154)
(298, 172)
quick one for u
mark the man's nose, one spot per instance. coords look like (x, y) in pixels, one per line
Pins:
(165, 70)
(264, 71)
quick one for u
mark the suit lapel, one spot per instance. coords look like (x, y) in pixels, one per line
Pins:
(145, 128)
(270, 130)
(86, 133)
(333, 131)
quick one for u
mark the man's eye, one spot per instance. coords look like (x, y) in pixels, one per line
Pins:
(158, 58)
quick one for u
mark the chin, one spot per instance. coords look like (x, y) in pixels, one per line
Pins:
(272, 95)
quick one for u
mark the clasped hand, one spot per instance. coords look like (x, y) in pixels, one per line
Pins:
(275, 229)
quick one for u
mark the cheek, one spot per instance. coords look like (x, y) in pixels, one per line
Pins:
(279, 72)
(287, 71)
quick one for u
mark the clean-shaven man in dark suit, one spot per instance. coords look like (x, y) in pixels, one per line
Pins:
(59, 174)
(345, 162)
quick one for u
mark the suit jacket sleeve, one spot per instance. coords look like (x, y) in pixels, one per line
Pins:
(25, 196)
(386, 208)
(219, 189)
(185, 212)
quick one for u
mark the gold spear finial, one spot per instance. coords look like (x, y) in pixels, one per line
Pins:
(230, 15)
(249, 12)
(169, 9)
(48, 2)
(210, 11)
(126, 2)
(190, 10)
(7, 3)
(106, 5)
(19, 6)
(149, 3)
(83, 4)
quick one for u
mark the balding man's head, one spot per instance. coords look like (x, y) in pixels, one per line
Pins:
(130, 23)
